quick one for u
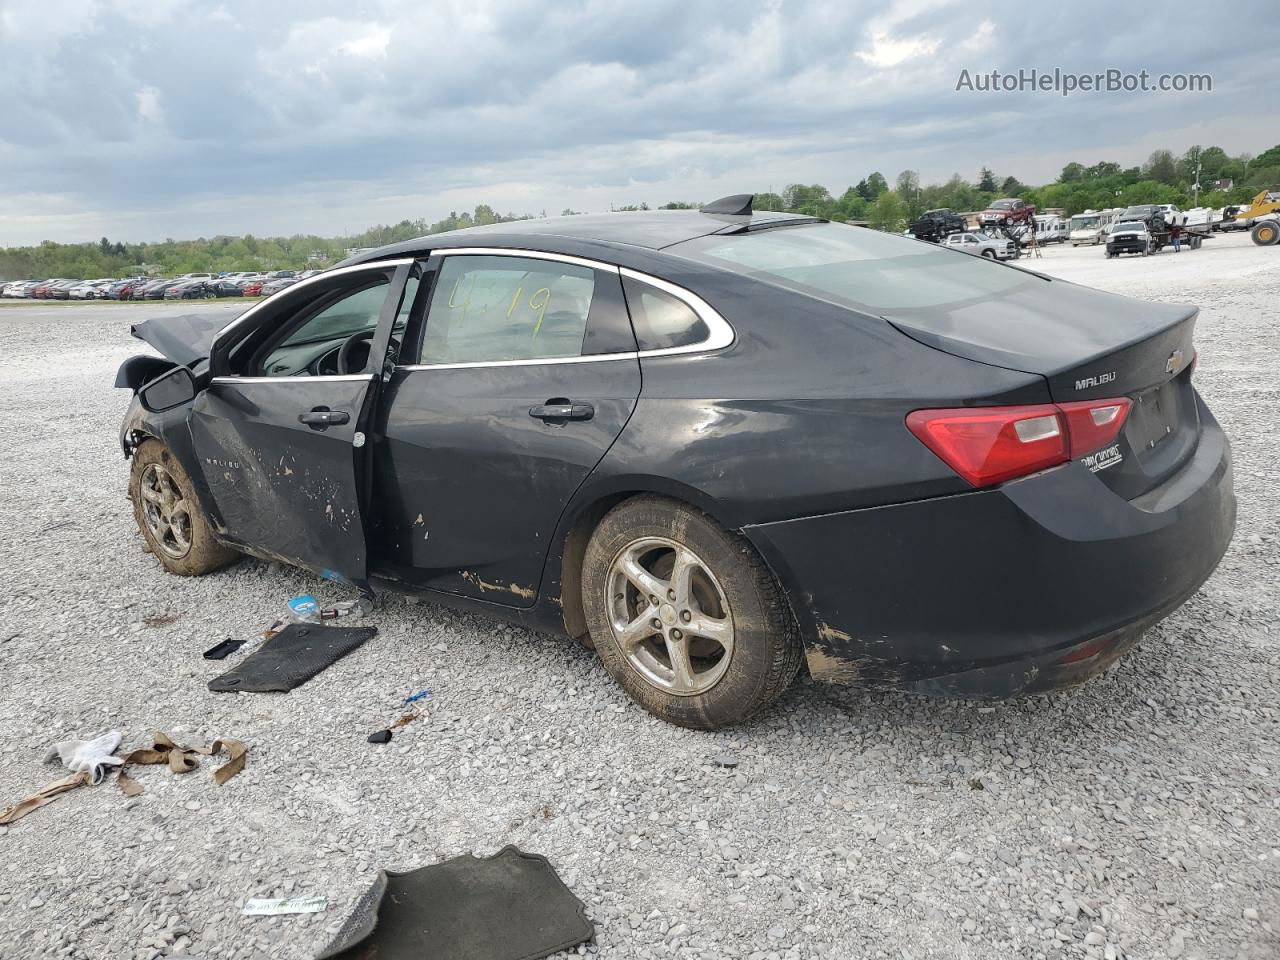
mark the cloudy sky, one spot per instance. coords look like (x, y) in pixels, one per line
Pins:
(146, 119)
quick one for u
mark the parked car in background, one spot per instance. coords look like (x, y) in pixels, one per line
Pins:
(190, 290)
(44, 289)
(1131, 236)
(275, 286)
(1006, 212)
(62, 289)
(152, 290)
(91, 289)
(228, 286)
(980, 245)
(252, 288)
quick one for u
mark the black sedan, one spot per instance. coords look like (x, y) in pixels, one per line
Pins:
(714, 445)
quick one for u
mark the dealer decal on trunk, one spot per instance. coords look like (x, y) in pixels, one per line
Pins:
(1107, 457)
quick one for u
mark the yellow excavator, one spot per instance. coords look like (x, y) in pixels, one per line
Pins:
(1264, 210)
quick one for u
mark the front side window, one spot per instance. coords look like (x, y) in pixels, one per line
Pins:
(309, 349)
(489, 308)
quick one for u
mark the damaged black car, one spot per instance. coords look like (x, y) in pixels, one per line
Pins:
(716, 445)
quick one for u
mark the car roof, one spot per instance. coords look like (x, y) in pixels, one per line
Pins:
(651, 230)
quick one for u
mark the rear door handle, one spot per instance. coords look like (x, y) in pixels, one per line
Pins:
(562, 410)
(321, 417)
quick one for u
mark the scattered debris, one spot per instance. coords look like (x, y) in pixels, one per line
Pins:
(266, 907)
(88, 756)
(182, 759)
(726, 760)
(291, 657)
(224, 649)
(304, 609)
(381, 736)
(362, 607)
(527, 912)
(46, 794)
(160, 619)
(414, 697)
(406, 718)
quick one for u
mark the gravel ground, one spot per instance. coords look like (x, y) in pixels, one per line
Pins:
(1138, 816)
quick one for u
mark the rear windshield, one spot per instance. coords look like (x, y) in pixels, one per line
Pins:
(869, 269)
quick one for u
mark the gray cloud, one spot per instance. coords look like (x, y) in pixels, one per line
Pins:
(177, 118)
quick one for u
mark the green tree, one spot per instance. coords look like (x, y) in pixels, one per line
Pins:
(1161, 167)
(766, 201)
(1011, 187)
(888, 212)
(1071, 173)
(986, 181)
(876, 185)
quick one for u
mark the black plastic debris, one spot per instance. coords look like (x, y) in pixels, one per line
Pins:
(291, 658)
(382, 736)
(224, 649)
(511, 906)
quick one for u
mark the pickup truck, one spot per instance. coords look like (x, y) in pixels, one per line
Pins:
(1009, 211)
(934, 225)
(980, 245)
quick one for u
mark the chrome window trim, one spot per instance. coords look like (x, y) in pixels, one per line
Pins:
(529, 254)
(323, 275)
(527, 362)
(721, 332)
(295, 379)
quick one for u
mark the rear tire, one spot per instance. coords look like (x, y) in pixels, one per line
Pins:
(718, 645)
(169, 515)
(989, 254)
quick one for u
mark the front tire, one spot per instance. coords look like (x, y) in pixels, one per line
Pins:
(685, 615)
(1266, 233)
(169, 515)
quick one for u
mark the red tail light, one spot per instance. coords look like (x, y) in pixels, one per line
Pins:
(988, 445)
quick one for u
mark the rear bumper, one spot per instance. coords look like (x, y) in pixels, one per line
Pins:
(1033, 585)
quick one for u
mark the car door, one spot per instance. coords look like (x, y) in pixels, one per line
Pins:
(520, 377)
(280, 432)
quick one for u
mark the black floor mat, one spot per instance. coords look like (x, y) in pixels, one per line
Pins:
(291, 658)
(511, 906)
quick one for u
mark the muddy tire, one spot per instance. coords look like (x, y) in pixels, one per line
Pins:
(685, 615)
(169, 515)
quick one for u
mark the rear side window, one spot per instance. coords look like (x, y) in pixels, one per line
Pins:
(660, 320)
(868, 269)
(491, 308)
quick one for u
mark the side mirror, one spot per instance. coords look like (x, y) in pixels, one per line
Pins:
(168, 390)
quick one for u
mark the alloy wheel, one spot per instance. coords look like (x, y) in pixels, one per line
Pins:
(670, 616)
(166, 512)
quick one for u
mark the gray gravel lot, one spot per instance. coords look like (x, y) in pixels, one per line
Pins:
(1137, 816)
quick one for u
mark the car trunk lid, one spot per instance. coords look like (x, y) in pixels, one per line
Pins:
(1087, 345)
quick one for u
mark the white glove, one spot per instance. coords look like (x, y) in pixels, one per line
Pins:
(88, 756)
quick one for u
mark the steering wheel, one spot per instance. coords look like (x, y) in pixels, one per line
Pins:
(345, 352)
(344, 362)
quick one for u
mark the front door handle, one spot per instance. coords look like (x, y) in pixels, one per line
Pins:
(559, 409)
(321, 417)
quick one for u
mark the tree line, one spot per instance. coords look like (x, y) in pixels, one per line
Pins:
(1164, 178)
